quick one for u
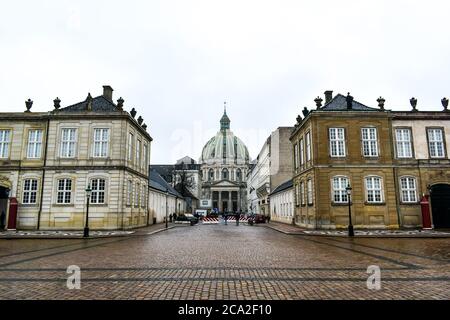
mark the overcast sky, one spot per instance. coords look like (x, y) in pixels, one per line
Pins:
(177, 61)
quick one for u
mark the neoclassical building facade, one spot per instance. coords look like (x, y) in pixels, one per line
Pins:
(48, 160)
(224, 165)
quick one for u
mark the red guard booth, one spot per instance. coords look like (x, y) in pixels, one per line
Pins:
(426, 217)
(12, 216)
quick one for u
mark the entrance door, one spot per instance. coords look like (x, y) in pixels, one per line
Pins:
(3, 206)
(440, 202)
(225, 206)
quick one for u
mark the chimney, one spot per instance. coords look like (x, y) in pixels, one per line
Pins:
(328, 96)
(107, 92)
(349, 99)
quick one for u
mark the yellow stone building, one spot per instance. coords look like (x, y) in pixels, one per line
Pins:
(48, 159)
(345, 143)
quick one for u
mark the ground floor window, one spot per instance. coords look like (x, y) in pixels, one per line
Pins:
(408, 189)
(30, 191)
(98, 191)
(64, 191)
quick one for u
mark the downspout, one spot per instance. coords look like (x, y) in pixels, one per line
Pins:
(43, 173)
(394, 171)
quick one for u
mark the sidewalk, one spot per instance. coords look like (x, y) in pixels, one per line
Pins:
(400, 233)
(78, 234)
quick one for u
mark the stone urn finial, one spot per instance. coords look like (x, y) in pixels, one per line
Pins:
(57, 103)
(133, 112)
(140, 120)
(305, 111)
(144, 126)
(318, 102)
(413, 102)
(28, 105)
(381, 102)
(444, 102)
(299, 118)
(120, 102)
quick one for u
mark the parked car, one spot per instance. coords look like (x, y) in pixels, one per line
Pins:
(188, 218)
(256, 218)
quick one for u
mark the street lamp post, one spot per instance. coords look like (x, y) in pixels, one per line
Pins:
(88, 197)
(167, 208)
(350, 225)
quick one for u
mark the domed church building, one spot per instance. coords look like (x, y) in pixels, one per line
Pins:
(224, 164)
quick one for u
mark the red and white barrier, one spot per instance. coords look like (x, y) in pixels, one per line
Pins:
(207, 220)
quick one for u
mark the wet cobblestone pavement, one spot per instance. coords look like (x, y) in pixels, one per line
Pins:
(225, 262)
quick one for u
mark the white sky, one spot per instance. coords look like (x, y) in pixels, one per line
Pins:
(177, 61)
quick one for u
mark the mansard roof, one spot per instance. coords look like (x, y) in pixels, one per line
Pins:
(99, 104)
(339, 103)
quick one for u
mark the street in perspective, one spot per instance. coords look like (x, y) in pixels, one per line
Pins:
(218, 261)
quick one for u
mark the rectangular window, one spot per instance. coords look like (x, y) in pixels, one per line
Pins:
(296, 155)
(30, 191)
(68, 143)
(408, 189)
(339, 189)
(310, 192)
(143, 196)
(5, 136)
(302, 152)
(136, 195)
(369, 141)
(138, 153)
(374, 190)
(145, 157)
(403, 141)
(64, 191)
(101, 141)
(98, 191)
(308, 146)
(297, 195)
(436, 143)
(337, 142)
(302, 193)
(130, 146)
(34, 144)
(129, 192)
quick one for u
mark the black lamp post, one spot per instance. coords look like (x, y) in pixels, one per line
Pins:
(86, 226)
(167, 208)
(350, 225)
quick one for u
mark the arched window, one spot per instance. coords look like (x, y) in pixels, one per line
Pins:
(239, 175)
(225, 175)
(211, 175)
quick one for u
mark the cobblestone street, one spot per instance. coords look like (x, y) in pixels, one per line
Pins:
(225, 262)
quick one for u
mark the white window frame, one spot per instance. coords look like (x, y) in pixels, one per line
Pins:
(5, 141)
(34, 147)
(408, 191)
(137, 194)
(339, 193)
(310, 194)
(98, 190)
(129, 192)
(68, 146)
(369, 139)
(297, 194)
(138, 153)
(302, 152)
(337, 142)
(308, 146)
(371, 190)
(433, 141)
(404, 146)
(296, 162)
(30, 189)
(101, 143)
(64, 191)
(130, 146)
(302, 193)
(145, 150)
